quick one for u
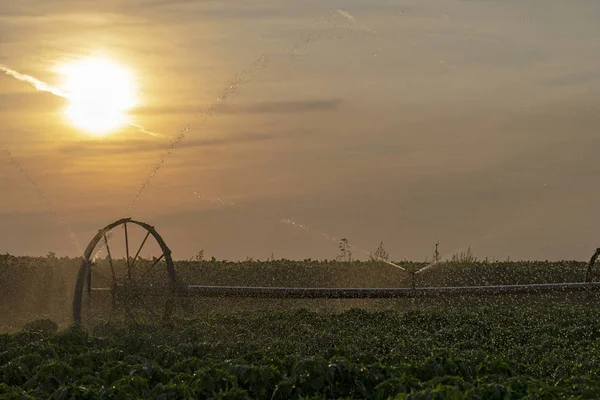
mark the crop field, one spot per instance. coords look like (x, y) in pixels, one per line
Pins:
(472, 347)
(142, 139)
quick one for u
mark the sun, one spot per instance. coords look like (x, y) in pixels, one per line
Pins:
(100, 94)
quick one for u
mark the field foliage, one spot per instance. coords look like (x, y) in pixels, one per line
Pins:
(537, 352)
(497, 347)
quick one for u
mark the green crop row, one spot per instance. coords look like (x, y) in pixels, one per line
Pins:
(34, 286)
(539, 349)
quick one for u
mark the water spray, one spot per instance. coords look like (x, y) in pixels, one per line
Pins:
(439, 262)
(337, 240)
(288, 221)
(227, 92)
(433, 264)
(218, 200)
(346, 15)
(49, 204)
(230, 90)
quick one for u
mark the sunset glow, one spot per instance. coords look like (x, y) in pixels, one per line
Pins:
(100, 93)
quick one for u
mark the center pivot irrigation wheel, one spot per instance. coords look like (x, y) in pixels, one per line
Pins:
(113, 284)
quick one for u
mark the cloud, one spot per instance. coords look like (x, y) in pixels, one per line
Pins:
(45, 87)
(36, 83)
(576, 78)
(28, 102)
(279, 107)
(137, 146)
(284, 107)
(169, 3)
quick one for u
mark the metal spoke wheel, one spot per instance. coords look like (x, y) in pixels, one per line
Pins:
(589, 273)
(120, 280)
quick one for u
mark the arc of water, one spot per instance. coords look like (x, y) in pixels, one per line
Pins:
(337, 240)
(425, 268)
(230, 89)
(440, 262)
(61, 219)
(301, 226)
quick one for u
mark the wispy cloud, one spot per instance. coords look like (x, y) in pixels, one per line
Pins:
(36, 83)
(286, 107)
(280, 107)
(142, 146)
(576, 78)
(46, 87)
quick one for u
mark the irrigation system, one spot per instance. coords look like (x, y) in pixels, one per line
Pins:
(155, 288)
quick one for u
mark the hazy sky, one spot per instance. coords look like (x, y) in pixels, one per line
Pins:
(468, 122)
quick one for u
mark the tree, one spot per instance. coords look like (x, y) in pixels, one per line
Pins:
(436, 253)
(345, 252)
(465, 257)
(199, 256)
(380, 254)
